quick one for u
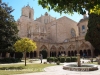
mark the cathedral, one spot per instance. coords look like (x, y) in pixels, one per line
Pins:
(54, 37)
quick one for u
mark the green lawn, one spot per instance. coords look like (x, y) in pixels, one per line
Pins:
(20, 68)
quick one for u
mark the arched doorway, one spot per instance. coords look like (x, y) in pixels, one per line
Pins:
(61, 49)
(85, 52)
(31, 54)
(27, 54)
(53, 51)
(69, 54)
(89, 53)
(72, 53)
(34, 53)
(81, 53)
(43, 51)
(12, 54)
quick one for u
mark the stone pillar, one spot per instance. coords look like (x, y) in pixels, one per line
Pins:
(37, 53)
(7, 55)
(66, 53)
(92, 53)
(48, 50)
(23, 54)
(48, 53)
(38, 49)
(78, 60)
(56, 52)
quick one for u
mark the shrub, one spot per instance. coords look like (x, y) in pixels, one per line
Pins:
(68, 59)
(55, 59)
(62, 59)
(73, 59)
(10, 60)
(58, 62)
(50, 59)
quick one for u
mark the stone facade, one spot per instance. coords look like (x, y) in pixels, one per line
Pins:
(54, 37)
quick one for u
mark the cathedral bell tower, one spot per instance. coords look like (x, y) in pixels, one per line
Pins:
(28, 12)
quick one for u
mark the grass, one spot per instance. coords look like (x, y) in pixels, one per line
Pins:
(96, 63)
(20, 68)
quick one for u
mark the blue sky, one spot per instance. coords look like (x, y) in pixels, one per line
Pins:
(38, 10)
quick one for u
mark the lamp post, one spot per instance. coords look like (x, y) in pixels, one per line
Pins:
(78, 55)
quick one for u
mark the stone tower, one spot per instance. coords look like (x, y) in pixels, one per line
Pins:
(28, 12)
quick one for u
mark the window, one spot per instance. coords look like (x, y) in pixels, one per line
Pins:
(73, 33)
(30, 15)
(83, 28)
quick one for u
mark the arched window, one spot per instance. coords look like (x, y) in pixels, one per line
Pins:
(73, 33)
(83, 28)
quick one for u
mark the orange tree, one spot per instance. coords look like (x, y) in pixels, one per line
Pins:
(25, 45)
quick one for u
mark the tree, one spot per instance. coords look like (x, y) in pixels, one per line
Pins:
(25, 45)
(8, 28)
(69, 6)
(93, 33)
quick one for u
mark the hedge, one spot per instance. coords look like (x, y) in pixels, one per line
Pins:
(62, 59)
(10, 60)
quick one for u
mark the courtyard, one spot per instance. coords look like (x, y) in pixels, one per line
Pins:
(52, 69)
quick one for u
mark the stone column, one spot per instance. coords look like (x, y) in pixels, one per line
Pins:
(14, 55)
(78, 60)
(7, 55)
(92, 51)
(56, 52)
(23, 55)
(48, 50)
(38, 49)
(48, 53)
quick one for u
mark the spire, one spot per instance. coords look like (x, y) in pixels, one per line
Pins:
(46, 14)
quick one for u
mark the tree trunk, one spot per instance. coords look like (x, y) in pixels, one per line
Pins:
(25, 58)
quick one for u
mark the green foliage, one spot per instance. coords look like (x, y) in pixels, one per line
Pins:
(93, 32)
(68, 59)
(58, 62)
(95, 10)
(25, 45)
(8, 28)
(50, 59)
(12, 69)
(62, 59)
(10, 60)
(73, 59)
(56, 59)
(69, 6)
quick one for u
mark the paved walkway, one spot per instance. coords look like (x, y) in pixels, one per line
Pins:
(58, 70)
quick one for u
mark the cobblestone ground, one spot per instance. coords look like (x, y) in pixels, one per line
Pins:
(58, 70)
